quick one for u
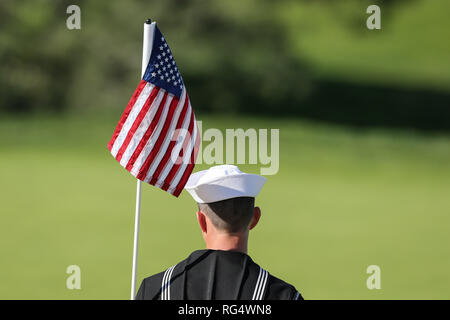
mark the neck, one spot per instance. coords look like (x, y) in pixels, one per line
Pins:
(228, 242)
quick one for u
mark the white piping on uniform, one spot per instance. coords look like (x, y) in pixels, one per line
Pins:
(263, 286)
(257, 284)
(165, 285)
(260, 284)
(169, 281)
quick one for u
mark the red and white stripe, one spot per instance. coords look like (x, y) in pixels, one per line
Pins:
(156, 128)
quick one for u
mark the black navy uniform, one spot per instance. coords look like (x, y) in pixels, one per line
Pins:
(216, 275)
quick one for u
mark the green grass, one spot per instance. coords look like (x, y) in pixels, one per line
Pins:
(343, 199)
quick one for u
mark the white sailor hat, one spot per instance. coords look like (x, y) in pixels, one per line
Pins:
(223, 182)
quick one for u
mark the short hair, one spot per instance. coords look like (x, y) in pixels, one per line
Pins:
(230, 215)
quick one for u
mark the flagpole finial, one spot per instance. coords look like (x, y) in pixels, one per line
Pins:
(148, 21)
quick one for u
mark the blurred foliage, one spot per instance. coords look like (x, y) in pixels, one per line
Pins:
(309, 58)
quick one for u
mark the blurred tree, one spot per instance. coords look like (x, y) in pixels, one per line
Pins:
(314, 59)
(37, 59)
(232, 55)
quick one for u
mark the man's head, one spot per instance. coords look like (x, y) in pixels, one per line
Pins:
(225, 219)
(226, 205)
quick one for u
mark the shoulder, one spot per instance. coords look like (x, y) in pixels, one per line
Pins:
(150, 288)
(156, 286)
(278, 289)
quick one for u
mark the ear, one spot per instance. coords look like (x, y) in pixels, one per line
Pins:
(255, 219)
(201, 218)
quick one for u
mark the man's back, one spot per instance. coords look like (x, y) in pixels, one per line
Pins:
(216, 275)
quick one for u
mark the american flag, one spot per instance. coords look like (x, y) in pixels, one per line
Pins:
(157, 137)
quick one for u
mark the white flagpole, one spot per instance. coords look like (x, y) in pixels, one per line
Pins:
(136, 239)
(149, 28)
